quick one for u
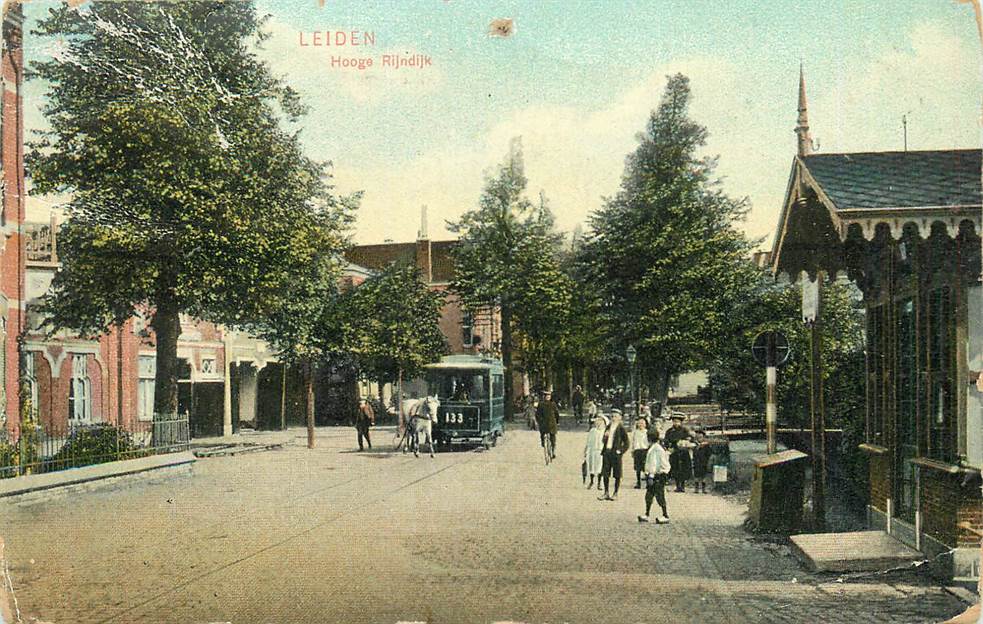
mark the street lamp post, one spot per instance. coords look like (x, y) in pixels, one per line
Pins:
(631, 354)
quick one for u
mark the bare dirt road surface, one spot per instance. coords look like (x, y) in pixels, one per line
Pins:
(330, 535)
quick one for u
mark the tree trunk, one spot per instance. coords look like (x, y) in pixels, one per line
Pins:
(283, 397)
(399, 403)
(383, 408)
(309, 401)
(167, 327)
(507, 359)
(660, 392)
(570, 385)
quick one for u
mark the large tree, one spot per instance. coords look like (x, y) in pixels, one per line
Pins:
(738, 382)
(507, 258)
(663, 255)
(186, 195)
(393, 325)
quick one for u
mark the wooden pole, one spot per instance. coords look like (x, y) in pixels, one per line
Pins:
(771, 408)
(817, 409)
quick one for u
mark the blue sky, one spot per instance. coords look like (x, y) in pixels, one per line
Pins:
(578, 78)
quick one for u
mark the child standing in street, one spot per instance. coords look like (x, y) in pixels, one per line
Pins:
(592, 452)
(701, 461)
(656, 475)
(639, 447)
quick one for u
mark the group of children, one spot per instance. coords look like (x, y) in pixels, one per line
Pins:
(653, 457)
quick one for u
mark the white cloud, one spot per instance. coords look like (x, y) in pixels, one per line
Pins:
(576, 156)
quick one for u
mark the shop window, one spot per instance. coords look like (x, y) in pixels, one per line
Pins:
(146, 371)
(80, 391)
(876, 368)
(940, 402)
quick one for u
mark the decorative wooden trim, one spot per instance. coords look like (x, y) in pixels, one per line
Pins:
(873, 449)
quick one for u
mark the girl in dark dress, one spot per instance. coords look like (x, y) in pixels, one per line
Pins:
(701, 462)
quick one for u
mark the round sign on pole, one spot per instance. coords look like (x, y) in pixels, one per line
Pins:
(770, 348)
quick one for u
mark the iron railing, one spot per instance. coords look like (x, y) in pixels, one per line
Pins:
(47, 448)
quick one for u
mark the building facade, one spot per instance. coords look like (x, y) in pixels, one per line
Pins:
(905, 227)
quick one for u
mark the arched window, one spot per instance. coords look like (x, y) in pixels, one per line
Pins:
(80, 391)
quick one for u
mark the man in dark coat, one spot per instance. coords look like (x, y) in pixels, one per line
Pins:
(615, 444)
(577, 402)
(364, 419)
(678, 442)
(547, 416)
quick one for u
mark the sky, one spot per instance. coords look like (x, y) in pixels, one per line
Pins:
(578, 79)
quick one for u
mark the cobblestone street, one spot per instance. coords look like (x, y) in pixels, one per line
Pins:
(330, 535)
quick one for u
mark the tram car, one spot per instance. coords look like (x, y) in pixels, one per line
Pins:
(471, 390)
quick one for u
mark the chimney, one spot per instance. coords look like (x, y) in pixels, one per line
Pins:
(424, 233)
(424, 252)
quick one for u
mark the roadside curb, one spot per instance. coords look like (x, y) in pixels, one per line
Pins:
(98, 476)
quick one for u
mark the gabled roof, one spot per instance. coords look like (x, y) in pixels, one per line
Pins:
(882, 180)
(833, 197)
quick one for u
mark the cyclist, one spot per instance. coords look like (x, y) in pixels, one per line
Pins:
(547, 415)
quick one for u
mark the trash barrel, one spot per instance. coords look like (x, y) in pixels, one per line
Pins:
(778, 492)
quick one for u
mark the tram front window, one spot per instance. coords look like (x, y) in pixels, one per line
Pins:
(461, 386)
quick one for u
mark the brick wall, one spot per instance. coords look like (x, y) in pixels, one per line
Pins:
(11, 155)
(880, 481)
(940, 496)
(970, 510)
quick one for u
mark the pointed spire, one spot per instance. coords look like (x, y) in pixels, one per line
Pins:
(424, 233)
(802, 128)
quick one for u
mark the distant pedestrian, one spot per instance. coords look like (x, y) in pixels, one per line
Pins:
(547, 416)
(577, 403)
(615, 444)
(656, 473)
(590, 406)
(364, 419)
(678, 443)
(593, 452)
(639, 447)
(701, 461)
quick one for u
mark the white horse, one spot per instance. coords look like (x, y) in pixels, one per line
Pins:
(420, 415)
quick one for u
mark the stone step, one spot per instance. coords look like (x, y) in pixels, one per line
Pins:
(858, 551)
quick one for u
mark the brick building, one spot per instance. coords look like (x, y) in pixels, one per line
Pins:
(464, 333)
(905, 227)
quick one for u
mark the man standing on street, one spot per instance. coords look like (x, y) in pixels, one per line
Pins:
(615, 444)
(577, 401)
(363, 420)
(547, 415)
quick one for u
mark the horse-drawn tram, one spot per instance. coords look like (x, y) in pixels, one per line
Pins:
(471, 391)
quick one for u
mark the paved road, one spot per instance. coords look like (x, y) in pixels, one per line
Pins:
(334, 536)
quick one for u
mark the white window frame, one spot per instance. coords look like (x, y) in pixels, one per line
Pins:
(32, 382)
(80, 390)
(146, 375)
(467, 320)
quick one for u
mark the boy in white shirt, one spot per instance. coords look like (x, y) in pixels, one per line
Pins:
(656, 475)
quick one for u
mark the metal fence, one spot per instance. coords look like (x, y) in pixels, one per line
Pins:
(47, 448)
